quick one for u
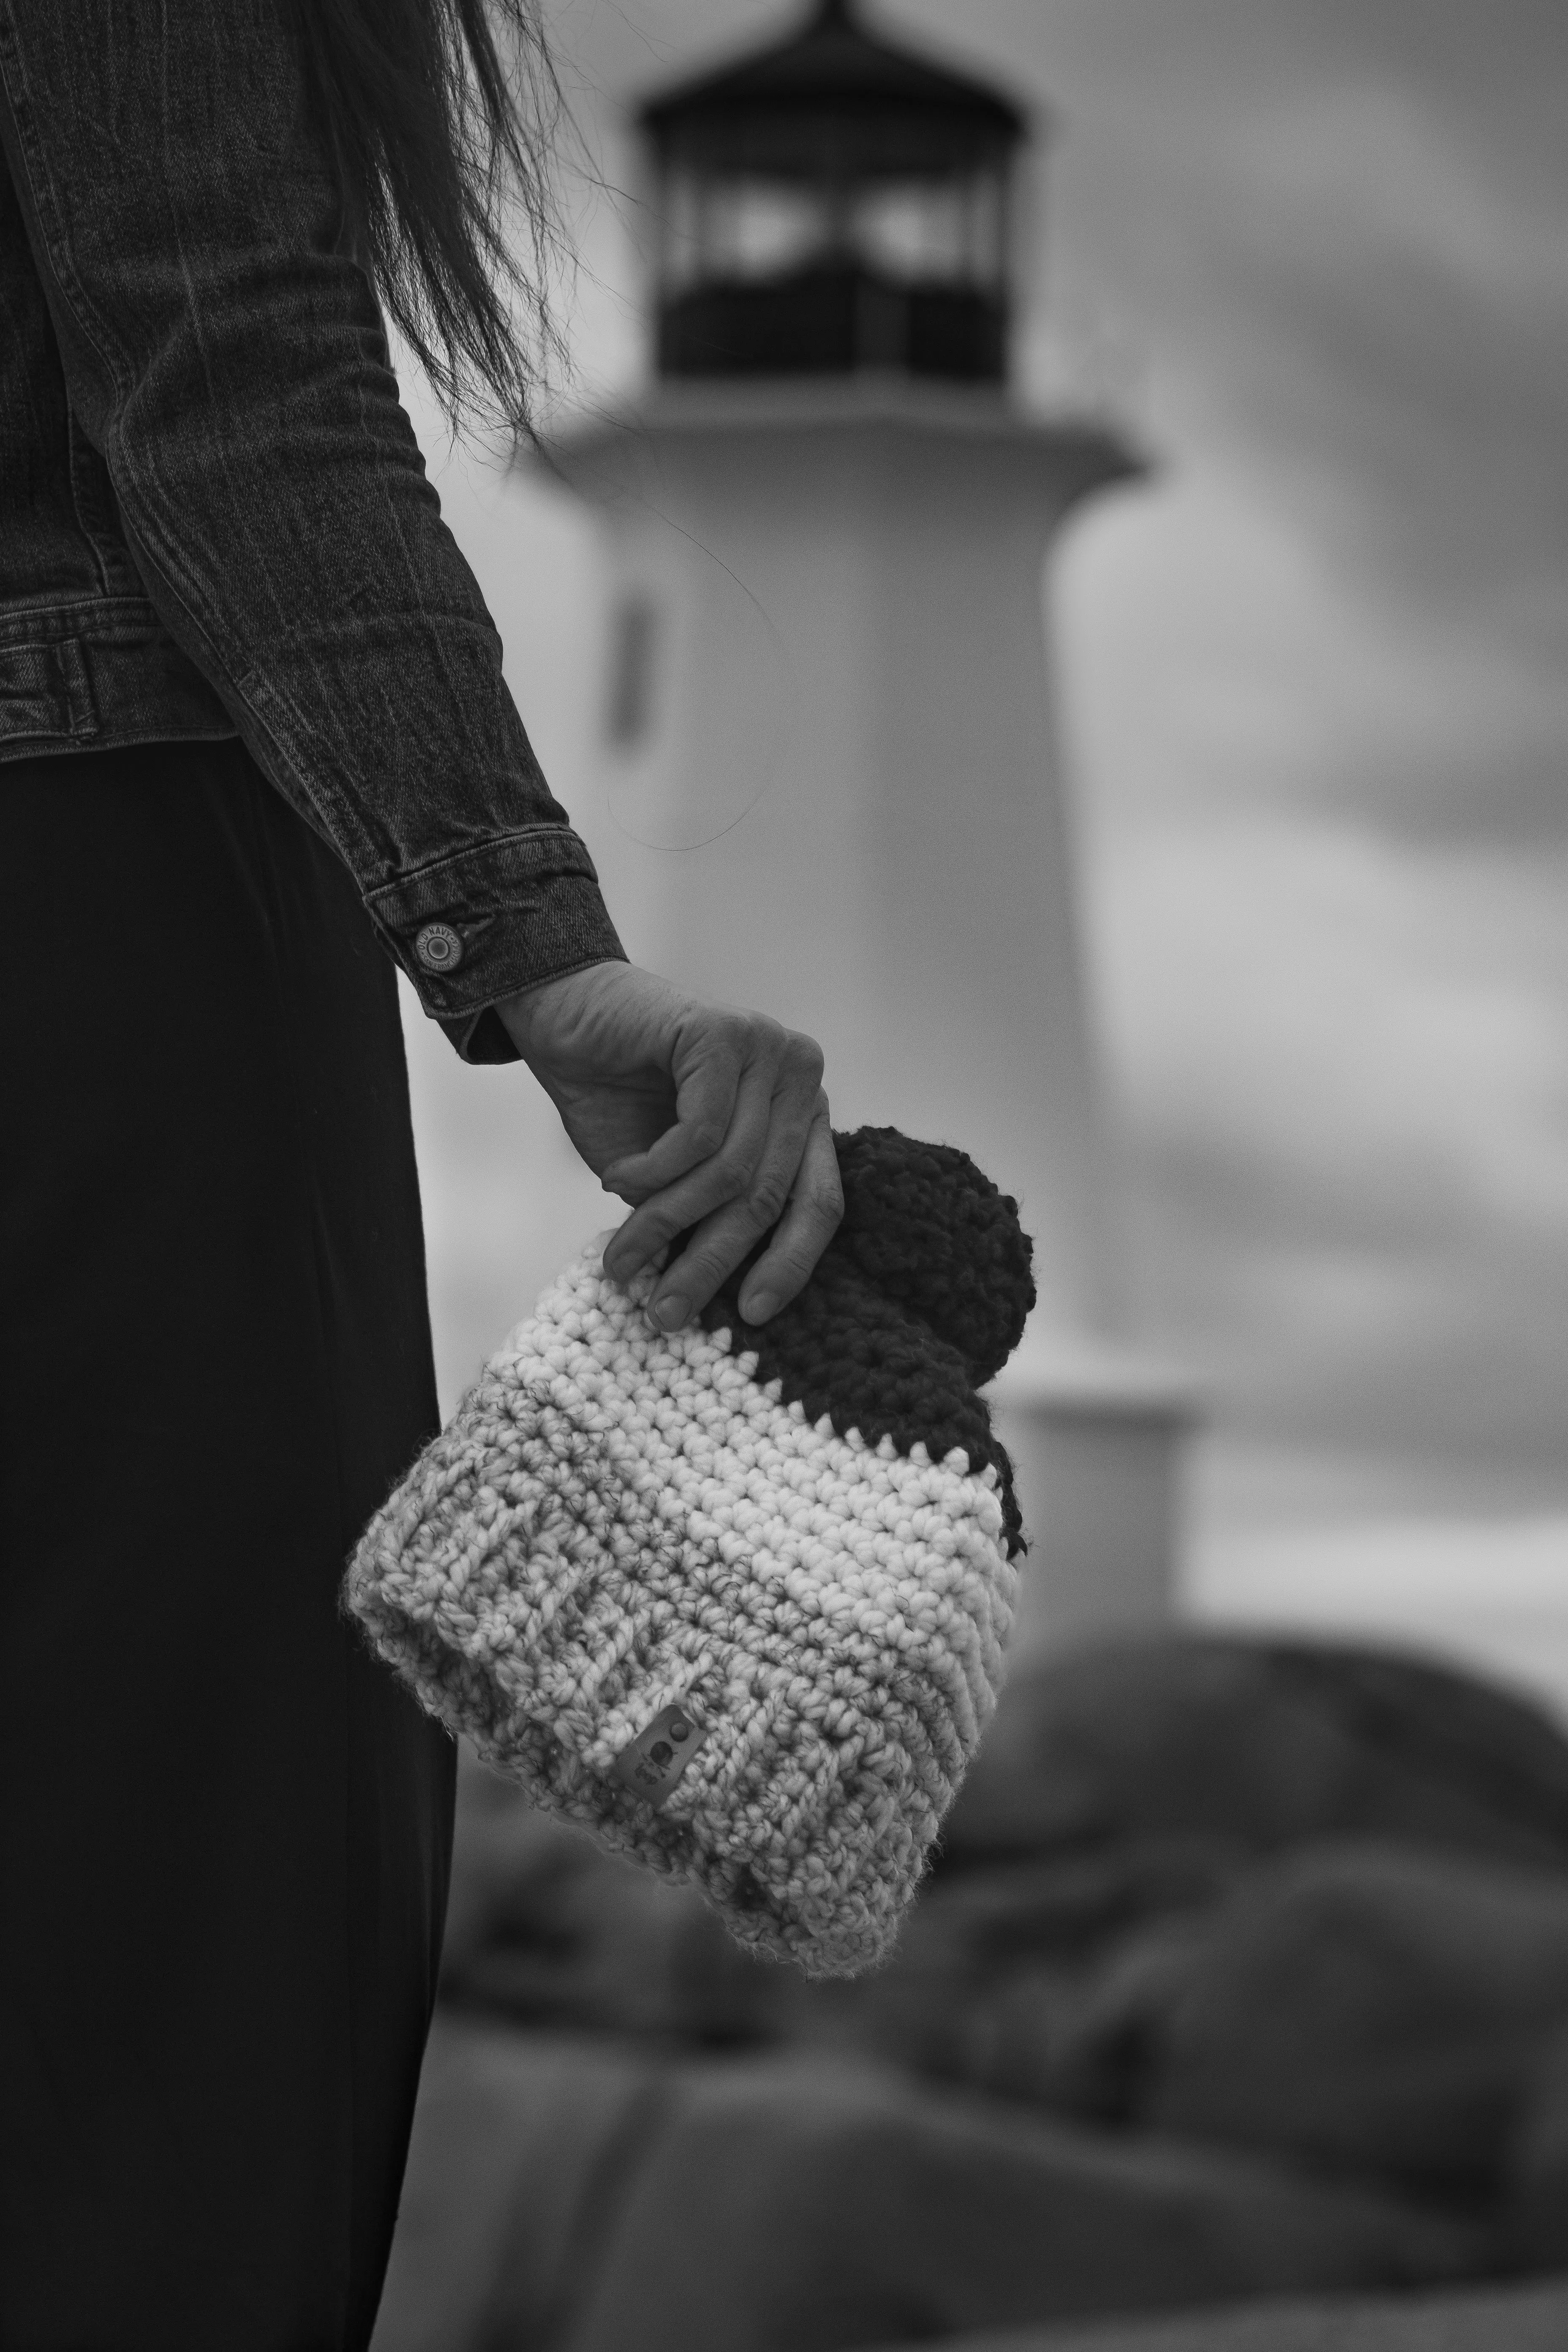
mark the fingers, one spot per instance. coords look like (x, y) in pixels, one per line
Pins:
(777, 1128)
(722, 1208)
(750, 1195)
(722, 1046)
(808, 1225)
(722, 1174)
(795, 1196)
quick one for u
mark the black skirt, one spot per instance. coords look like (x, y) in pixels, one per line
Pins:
(226, 1832)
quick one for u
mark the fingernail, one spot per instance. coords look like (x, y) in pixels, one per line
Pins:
(763, 1304)
(671, 1312)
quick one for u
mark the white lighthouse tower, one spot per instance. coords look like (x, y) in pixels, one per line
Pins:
(828, 732)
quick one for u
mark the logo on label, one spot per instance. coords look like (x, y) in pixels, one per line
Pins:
(654, 1761)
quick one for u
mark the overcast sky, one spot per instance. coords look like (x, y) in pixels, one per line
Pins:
(1314, 675)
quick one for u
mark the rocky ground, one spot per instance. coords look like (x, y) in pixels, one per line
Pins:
(1243, 1975)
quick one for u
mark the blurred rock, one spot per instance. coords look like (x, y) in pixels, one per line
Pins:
(1495, 2319)
(1242, 1971)
(1535, 2174)
(1368, 2007)
(1261, 1744)
(1088, 2050)
(593, 2198)
(1028, 1978)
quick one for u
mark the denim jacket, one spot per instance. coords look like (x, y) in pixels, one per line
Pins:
(214, 518)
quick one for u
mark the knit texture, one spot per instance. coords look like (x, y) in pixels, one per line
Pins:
(735, 1600)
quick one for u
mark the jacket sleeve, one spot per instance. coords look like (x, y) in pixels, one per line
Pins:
(224, 351)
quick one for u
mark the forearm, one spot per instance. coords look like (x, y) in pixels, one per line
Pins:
(225, 352)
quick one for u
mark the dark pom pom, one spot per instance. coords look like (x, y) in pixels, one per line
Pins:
(929, 1230)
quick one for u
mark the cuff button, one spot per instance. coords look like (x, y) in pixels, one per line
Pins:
(438, 947)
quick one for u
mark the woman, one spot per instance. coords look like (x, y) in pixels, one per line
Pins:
(255, 745)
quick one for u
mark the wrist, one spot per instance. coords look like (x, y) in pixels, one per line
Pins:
(522, 1013)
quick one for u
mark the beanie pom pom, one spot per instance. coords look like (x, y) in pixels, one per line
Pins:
(929, 1230)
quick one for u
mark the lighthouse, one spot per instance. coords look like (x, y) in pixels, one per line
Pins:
(828, 753)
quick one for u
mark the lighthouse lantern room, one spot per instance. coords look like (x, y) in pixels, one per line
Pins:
(832, 203)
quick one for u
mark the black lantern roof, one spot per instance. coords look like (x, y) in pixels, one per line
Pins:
(833, 95)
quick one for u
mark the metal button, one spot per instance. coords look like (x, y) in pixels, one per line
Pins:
(438, 947)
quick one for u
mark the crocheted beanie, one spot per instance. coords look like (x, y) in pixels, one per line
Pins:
(734, 1598)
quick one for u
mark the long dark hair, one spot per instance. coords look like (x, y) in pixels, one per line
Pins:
(421, 160)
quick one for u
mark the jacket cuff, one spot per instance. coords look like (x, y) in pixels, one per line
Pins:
(482, 924)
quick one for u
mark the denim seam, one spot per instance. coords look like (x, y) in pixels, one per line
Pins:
(542, 834)
(91, 619)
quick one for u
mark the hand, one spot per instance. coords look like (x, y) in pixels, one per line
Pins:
(698, 1115)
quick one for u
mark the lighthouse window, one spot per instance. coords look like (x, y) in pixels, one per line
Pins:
(948, 230)
(633, 630)
(761, 228)
(740, 227)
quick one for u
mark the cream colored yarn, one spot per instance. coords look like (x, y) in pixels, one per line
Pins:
(617, 1521)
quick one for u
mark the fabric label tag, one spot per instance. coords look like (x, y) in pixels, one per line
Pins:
(657, 1758)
